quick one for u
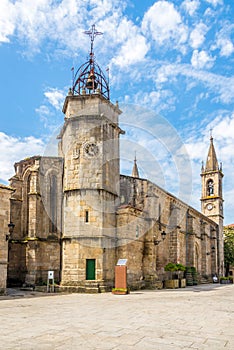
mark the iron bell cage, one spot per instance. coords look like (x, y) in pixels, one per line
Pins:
(90, 79)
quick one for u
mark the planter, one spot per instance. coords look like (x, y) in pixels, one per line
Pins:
(182, 282)
(225, 281)
(189, 277)
(171, 284)
(120, 291)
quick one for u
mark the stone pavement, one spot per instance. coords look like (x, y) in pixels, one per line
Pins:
(200, 317)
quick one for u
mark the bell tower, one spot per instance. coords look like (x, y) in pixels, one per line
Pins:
(89, 145)
(212, 196)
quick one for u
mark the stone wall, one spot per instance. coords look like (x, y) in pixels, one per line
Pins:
(36, 207)
(147, 211)
(5, 193)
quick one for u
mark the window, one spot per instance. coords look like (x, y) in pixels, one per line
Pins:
(53, 204)
(27, 202)
(86, 216)
(210, 187)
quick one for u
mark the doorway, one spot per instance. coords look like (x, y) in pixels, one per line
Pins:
(90, 269)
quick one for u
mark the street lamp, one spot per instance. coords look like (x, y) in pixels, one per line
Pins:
(212, 251)
(11, 227)
(157, 241)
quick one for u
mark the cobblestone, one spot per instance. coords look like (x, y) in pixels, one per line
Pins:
(199, 317)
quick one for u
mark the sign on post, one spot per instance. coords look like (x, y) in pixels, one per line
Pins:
(122, 262)
(50, 275)
(50, 281)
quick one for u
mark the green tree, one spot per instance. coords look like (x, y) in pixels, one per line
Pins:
(228, 248)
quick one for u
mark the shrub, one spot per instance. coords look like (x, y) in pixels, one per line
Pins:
(180, 267)
(171, 267)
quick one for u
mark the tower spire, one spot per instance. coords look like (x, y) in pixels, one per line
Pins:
(211, 161)
(135, 172)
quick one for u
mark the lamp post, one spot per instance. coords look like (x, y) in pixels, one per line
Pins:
(212, 251)
(157, 241)
(11, 227)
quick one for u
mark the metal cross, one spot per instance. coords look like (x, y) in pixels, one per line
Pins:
(92, 33)
(211, 133)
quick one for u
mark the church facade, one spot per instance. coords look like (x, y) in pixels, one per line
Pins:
(76, 215)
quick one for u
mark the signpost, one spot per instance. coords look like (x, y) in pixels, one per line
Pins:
(50, 282)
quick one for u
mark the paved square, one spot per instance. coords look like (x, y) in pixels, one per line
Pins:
(200, 317)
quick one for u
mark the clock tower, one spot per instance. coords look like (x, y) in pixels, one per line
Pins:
(212, 195)
(89, 146)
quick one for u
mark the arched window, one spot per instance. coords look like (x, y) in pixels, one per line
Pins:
(53, 204)
(210, 187)
(197, 258)
(27, 203)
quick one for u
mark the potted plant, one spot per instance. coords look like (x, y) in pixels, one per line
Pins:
(224, 280)
(189, 276)
(182, 281)
(194, 275)
(172, 282)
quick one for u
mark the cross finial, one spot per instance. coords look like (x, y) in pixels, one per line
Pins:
(92, 34)
(211, 137)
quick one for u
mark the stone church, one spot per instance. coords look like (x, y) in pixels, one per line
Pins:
(76, 215)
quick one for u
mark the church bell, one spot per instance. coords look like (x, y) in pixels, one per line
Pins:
(91, 84)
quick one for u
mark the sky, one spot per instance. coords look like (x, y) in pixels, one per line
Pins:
(170, 68)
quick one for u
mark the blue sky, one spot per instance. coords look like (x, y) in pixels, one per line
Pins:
(172, 58)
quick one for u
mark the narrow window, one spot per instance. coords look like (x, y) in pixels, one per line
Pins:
(27, 203)
(86, 216)
(210, 188)
(53, 204)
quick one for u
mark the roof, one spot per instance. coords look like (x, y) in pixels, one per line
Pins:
(211, 161)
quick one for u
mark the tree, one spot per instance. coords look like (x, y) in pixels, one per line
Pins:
(228, 248)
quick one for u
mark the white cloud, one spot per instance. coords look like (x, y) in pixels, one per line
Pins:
(215, 2)
(55, 97)
(191, 6)
(201, 59)
(13, 149)
(197, 36)
(159, 100)
(7, 16)
(132, 51)
(224, 40)
(222, 86)
(43, 110)
(226, 47)
(223, 126)
(163, 22)
(50, 111)
(45, 21)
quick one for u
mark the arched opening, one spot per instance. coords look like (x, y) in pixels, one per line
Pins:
(210, 187)
(197, 258)
(53, 204)
(27, 203)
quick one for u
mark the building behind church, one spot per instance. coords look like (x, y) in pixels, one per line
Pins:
(76, 215)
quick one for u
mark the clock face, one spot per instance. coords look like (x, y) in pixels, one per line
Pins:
(209, 206)
(91, 149)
